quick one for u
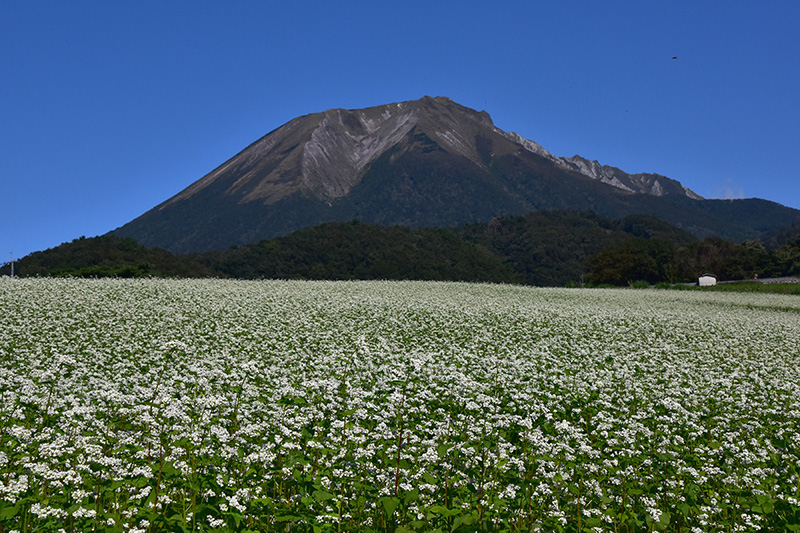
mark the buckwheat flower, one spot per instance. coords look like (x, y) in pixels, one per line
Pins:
(82, 512)
(174, 344)
(234, 502)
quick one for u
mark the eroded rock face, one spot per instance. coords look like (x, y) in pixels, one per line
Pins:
(326, 154)
(427, 162)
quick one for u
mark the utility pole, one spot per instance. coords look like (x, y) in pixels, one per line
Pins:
(12, 265)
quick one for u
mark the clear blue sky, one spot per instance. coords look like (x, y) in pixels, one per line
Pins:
(109, 108)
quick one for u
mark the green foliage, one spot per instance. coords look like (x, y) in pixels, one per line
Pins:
(107, 256)
(660, 262)
(786, 259)
(650, 227)
(780, 236)
(546, 248)
(354, 250)
(552, 247)
(633, 259)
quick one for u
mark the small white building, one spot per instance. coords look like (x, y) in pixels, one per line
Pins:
(707, 280)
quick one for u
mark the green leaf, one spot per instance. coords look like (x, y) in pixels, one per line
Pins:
(169, 469)
(321, 495)
(287, 518)
(175, 519)
(390, 504)
(150, 499)
(663, 520)
(411, 495)
(593, 522)
(464, 520)
(765, 505)
(8, 511)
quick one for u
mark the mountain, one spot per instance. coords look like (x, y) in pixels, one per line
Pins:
(423, 163)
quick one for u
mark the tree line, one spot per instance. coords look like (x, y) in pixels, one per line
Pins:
(546, 248)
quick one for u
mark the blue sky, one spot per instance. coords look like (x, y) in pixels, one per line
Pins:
(109, 108)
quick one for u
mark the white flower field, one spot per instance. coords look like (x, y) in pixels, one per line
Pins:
(205, 405)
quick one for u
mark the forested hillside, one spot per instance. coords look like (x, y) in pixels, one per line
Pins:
(547, 248)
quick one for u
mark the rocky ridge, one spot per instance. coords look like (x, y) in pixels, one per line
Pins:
(423, 163)
(332, 150)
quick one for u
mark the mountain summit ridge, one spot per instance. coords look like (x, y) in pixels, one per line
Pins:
(428, 162)
(341, 143)
(337, 146)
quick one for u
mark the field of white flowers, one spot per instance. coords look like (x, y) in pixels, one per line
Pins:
(175, 405)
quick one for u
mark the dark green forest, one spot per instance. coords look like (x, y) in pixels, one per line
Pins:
(545, 248)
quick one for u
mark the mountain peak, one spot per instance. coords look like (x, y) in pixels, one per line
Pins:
(329, 151)
(425, 162)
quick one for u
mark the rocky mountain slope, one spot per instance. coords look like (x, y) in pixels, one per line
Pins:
(423, 163)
